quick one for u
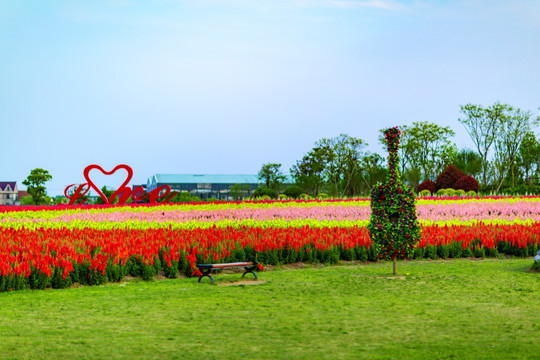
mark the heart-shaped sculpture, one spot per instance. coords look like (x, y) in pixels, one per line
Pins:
(123, 189)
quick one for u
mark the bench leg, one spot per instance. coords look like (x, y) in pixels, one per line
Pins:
(207, 274)
(250, 270)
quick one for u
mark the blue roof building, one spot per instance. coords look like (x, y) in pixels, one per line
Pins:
(206, 185)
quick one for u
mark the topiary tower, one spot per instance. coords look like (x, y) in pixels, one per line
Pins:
(393, 227)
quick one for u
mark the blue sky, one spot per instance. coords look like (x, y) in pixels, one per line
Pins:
(223, 86)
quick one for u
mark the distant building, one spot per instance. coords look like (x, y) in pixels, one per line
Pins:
(205, 186)
(8, 192)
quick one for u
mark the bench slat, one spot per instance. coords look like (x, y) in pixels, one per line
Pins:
(226, 265)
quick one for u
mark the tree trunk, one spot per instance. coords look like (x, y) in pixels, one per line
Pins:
(504, 176)
(394, 266)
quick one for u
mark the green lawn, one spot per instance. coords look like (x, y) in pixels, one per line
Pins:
(462, 309)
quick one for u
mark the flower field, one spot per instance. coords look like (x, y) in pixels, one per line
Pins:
(58, 245)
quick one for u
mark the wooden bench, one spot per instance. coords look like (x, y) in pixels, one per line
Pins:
(206, 269)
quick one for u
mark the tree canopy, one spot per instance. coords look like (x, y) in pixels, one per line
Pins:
(35, 185)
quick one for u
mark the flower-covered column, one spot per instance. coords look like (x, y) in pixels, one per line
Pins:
(393, 227)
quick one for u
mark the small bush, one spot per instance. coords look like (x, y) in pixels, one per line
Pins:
(322, 196)
(471, 193)
(450, 192)
(427, 185)
(264, 191)
(425, 193)
(460, 193)
(282, 197)
(441, 192)
(305, 197)
(293, 191)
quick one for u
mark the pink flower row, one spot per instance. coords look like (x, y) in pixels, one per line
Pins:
(500, 210)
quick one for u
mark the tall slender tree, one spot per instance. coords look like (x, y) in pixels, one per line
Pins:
(482, 124)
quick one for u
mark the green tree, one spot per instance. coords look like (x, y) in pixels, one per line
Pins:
(529, 157)
(108, 193)
(372, 169)
(271, 175)
(469, 162)
(308, 173)
(512, 130)
(482, 124)
(427, 145)
(35, 185)
(27, 200)
(343, 154)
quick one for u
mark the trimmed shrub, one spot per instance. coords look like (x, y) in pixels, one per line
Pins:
(305, 197)
(450, 192)
(282, 197)
(425, 193)
(264, 191)
(448, 177)
(322, 196)
(466, 183)
(471, 193)
(441, 192)
(293, 191)
(427, 185)
(460, 193)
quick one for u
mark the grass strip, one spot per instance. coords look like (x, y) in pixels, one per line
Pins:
(463, 309)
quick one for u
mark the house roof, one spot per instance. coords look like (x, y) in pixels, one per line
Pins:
(11, 184)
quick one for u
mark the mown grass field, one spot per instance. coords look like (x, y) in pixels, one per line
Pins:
(454, 309)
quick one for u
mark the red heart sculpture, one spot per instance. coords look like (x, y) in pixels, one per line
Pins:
(122, 187)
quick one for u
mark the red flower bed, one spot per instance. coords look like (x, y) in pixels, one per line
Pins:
(58, 257)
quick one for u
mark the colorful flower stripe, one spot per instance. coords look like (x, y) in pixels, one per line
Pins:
(320, 214)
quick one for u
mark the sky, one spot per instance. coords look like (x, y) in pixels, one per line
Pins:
(225, 86)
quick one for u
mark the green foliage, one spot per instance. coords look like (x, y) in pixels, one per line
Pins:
(293, 191)
(441, 192)
(424, 193)
(469, 162)
(183, 197)
(35, 186)
(471, 193)
(108, 193)
(393, 227)
(240, 191)
(283, 197)
(450, 192)
(522, 190)
(460, 192)
(271, 176)
(305, 197)
(264, 191)
(27, 200)
(427, 145)
(322, 196)
(308, 172)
